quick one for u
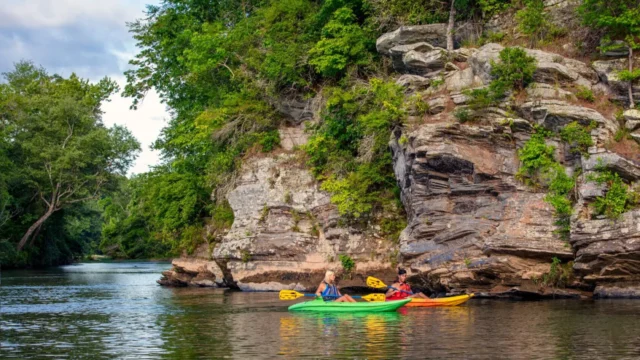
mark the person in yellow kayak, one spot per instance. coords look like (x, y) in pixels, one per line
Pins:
(329, 291)
(401, 290)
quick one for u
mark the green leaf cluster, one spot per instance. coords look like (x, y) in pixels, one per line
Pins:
(349, 148)
(514, 71)
(533, 22)
(559, 275)
(540, 169)
(348, 264)
(388, 15)
(578, 136)
(619, 197)
(493, 7)
(620, 20)
(586, 94)
(156, 214)
(343, 42)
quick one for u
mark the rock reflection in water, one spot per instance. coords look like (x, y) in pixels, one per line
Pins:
(117, 311)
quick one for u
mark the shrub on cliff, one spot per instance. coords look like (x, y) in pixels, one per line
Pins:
(348, 264)
(514, 71)
(619, 197)
(578, 136)
(343, 43)
(559, 275)
(540, 169)
(532, 20)
(349, 148)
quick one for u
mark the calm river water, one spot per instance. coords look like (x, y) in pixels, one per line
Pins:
(116, 310)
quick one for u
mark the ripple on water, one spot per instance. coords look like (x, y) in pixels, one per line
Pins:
(90, 311)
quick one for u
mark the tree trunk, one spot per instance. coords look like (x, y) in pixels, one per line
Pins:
(450, 26)
(631, 102)
(35, 226)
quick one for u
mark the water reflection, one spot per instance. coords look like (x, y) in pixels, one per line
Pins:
(92, 311)
(331, 335)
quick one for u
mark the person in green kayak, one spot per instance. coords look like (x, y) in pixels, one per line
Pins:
(401, 290)
(329, 291)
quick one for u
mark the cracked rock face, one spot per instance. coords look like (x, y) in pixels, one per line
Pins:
(551, 68)
(608, 70)
(608, 251)
(433, 34)
(427, 64)
(556, 114)
(470, 223)
(286, 233)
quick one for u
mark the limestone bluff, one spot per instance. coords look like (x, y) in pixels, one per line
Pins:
(472, 226)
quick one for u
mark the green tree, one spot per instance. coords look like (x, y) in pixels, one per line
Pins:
(532, 20)
(621, 21)
(343, 42)
(66, 155)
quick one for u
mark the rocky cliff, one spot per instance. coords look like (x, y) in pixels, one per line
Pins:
(286, 232)
(472, 226)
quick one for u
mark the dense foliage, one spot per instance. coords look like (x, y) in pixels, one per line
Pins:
(620, 19)
(223, 68)
(57, 159)
(222, 74)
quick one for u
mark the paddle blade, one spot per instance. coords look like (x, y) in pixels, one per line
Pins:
(290, 295)
(375, 297)
(375, 283)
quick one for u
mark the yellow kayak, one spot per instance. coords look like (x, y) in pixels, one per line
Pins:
(447, 301)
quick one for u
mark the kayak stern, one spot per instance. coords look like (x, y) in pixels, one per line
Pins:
(447, 301)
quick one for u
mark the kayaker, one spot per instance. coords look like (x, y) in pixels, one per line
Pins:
(401, 290)
(329, 291)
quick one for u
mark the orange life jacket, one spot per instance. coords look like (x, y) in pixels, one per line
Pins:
(399, 295)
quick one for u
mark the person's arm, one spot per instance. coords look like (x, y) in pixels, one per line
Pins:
(320, 289)
(391, 291)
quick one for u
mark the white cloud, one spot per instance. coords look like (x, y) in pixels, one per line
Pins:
(90, 38)
(57, 13)
(145, 124)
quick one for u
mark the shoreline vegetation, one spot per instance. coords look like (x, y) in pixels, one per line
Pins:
(235, 73)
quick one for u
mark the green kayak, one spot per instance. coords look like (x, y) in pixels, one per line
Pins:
(320, 305)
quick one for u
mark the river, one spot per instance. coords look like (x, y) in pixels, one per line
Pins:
(116, 310)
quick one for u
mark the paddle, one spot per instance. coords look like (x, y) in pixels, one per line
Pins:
(292, 295)
(378, 284)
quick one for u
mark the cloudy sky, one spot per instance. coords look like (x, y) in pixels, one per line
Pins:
(87, 37)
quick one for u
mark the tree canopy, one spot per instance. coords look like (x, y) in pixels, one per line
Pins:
(57, 153)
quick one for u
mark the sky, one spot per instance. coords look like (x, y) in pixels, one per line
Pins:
(90, 38)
